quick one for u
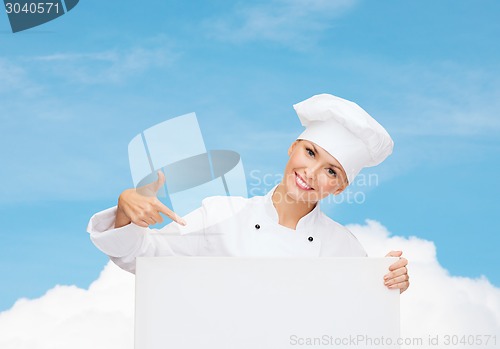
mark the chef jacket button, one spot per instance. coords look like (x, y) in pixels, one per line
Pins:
(310, 238)
(257, 226)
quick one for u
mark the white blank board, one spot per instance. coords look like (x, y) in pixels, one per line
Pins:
(260, 303)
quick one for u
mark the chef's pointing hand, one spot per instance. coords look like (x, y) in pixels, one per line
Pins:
(398, 273)
(141, 206)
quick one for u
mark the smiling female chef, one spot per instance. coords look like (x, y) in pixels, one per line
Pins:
(339, 140)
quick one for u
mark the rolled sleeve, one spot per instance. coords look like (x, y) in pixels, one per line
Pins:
(117, 242)
(123, 245)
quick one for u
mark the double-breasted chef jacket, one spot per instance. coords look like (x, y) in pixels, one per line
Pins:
(225, 226)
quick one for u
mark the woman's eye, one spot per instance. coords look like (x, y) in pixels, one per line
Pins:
(310, 152)
(332, 172)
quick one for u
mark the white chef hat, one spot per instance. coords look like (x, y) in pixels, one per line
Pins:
(344, 130)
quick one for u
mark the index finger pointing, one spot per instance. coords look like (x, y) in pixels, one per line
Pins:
(169, 213)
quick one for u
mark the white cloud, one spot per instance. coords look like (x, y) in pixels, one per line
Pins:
(70, 317)
(436, 303)
(15, 79)
(290, 22)
(109, 66)
(435, 99)
(102, 316)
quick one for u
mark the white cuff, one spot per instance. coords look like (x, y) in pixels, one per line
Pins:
(117, 242)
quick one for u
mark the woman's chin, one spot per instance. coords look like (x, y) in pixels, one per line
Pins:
(307, 197)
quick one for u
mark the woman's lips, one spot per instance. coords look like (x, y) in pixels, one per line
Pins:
(302, 183)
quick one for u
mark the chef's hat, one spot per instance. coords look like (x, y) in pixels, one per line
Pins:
(344, 130)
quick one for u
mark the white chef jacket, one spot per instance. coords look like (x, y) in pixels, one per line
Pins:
(225, 226)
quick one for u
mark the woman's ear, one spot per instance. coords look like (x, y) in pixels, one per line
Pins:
(292, 147)
(340, 190)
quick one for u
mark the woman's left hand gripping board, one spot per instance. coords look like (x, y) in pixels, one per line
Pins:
(398, 273)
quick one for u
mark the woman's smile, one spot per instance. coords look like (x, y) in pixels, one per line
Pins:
(301, 183)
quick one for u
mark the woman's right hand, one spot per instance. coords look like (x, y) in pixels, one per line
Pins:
(141, 206)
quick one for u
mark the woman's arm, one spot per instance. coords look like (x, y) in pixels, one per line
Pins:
(123, 232)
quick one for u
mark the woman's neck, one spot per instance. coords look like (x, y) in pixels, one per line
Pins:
(289, 210)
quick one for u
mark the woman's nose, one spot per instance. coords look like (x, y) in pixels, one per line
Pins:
(309, 172)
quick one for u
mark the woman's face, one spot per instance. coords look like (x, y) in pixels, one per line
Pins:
(311, 173)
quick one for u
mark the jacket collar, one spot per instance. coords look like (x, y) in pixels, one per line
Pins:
(305, 222)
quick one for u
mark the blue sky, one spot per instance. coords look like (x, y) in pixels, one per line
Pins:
(75, 91)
